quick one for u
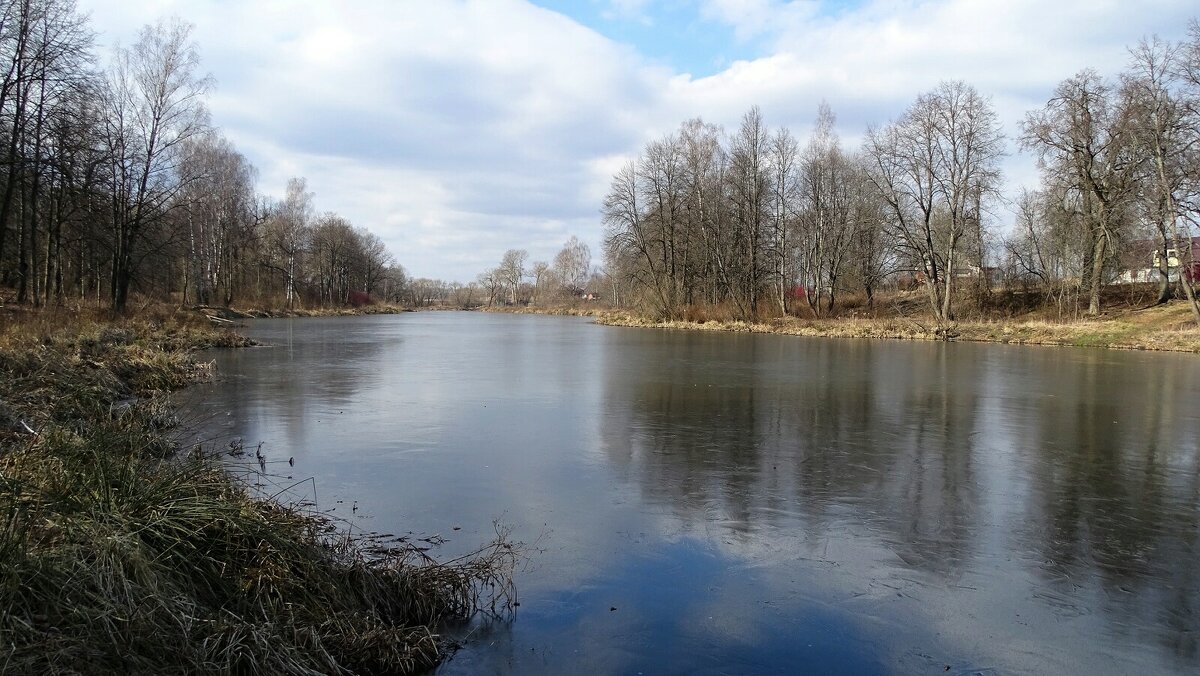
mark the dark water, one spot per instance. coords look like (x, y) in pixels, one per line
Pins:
(756, 504)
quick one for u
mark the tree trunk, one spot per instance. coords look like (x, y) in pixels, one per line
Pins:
(1186, 265)
(1164, 275)
(1097, 274)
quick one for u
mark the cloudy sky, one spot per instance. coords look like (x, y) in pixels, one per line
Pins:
(456, 130)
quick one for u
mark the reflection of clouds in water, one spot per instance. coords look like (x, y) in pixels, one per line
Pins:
(679, 607)
(262, 396)
(912, 490)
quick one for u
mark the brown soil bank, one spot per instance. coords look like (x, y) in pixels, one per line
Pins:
(1168, 327)
(121, 554)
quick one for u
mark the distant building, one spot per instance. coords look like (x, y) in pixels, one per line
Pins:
(912, 279)
(1146, 251)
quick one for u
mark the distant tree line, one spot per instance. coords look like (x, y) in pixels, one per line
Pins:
(1120, 162)
(758, 222)
(114, 181)
(516, 281)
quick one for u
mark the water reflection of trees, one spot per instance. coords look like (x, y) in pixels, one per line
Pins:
(1116, 488)
(768, 434)
(1091, 459)
(302, 369)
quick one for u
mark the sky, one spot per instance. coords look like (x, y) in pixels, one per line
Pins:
(458, 129)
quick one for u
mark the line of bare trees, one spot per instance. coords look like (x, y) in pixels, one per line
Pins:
(516, 281)
(757, 222)
(114, 181)
(1120, 161)
(321, 259)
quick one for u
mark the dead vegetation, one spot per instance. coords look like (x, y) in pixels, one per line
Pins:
(119, 554)
(1009, 318)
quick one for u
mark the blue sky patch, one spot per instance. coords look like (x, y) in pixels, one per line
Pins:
(674, 33)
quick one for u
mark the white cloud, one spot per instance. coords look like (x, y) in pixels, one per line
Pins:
(457, 130)
(635, 10)
(753, 18)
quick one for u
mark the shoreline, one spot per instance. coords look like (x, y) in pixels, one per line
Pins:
(1165, 328)
(125, 552)
(566, 311)
(220, 314)
(1168, 334)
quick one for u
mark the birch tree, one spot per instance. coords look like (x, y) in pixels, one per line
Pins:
(784, 153)
(573, 266)
(155, 105)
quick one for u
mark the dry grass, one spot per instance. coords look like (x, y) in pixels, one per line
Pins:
(577, 310)
(261, 312)
(1166, 328)
(119, 556)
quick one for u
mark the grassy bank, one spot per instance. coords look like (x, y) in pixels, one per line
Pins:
(555, 310)
(256, 312)
(1166, 328)
(120, 554)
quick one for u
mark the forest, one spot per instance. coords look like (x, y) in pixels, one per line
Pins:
(763, 224)
(115, 183)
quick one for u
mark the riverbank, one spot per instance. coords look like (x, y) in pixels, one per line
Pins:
(1163, 328)
(233, 314)
(555, 311)
(121, 553)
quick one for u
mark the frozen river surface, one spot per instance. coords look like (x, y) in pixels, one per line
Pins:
(755, 504)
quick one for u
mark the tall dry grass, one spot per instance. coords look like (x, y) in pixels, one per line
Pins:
(120, 555)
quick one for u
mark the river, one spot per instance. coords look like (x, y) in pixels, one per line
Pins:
(718, 503)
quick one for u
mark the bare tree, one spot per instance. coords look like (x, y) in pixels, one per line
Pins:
(783, 157)
(44, 59)
(512, 271)
(288, 233)
(573, 266)
(394, 281)
(493, 284)
(933, 168)
(333, 252)
(374, 260)
(1084, 143)
(154, 107)
(1165, 126)
(749, 182)
(220, 213)
(661, 182)
(113, 180)
(826, 212)
(871, 247)
(541, 272)
(706, 218)
(969, 149)
(630, 240)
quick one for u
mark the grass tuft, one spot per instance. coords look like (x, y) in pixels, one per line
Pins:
(118, 554)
